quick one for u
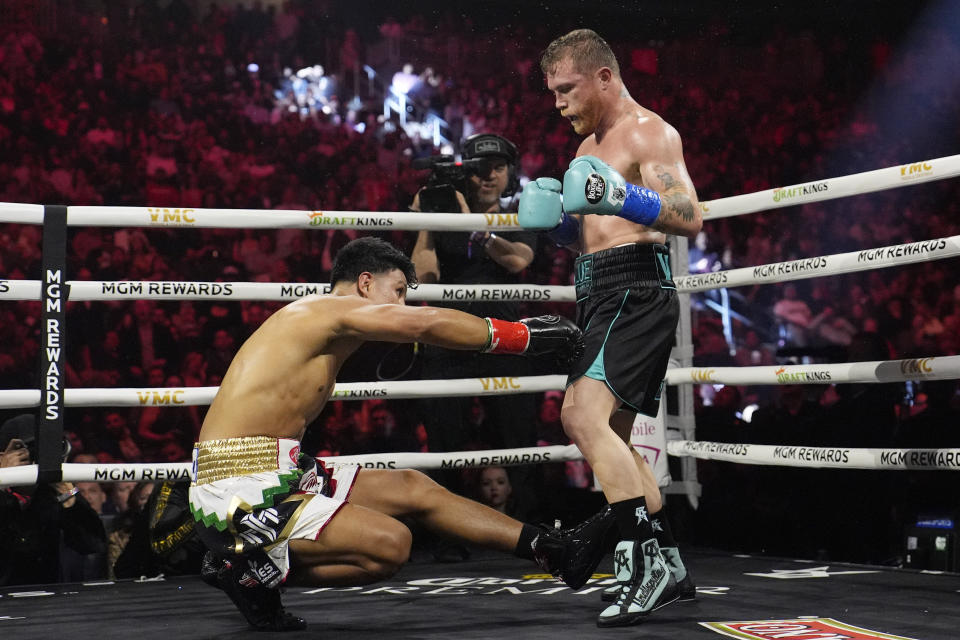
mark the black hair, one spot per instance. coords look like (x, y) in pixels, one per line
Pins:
(373, 255)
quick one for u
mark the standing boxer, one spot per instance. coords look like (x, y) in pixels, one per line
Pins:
(625, 191)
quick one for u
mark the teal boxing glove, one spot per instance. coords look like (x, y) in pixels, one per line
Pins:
(541, 207)
(590, 185)
(541, 204)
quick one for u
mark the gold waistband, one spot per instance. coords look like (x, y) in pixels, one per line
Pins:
(232, 457)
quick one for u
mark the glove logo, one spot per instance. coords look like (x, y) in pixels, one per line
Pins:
(594, 188)
(619, 195)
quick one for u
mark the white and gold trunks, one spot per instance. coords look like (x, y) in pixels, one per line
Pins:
(250, 496)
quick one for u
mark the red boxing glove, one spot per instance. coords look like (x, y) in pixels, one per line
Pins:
(506, 337)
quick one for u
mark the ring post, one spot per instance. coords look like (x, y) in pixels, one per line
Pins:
(53, 354)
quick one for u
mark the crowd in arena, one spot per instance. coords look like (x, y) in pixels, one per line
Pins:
(143, 104)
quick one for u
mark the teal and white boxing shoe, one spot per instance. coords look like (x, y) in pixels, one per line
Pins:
(688, 590)
(646, 583)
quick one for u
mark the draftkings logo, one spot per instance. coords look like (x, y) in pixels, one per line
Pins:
(785, 193)
(801, 377)
(798, 629)
(321, 219)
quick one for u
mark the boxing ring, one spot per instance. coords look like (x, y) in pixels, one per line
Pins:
(720, 587)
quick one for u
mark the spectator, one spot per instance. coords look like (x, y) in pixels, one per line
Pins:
(94, 494)
(495, 489)
(794, 318)
(34, 519)
(116, 443)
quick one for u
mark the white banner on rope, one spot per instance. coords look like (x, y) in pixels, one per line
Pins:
(819, 457)
(819, 266)
(387, 390)
(188, 218)
(803, 193)
(830, 188)
(770, 455)
(938, 368)
(878, 258)
(81, 290)
(180, 471)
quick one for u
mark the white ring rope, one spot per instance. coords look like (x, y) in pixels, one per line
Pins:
(756, 454)
(831, 188)
(187, 218)
(82, 290)
(939, 368)
(386, 390)
(27, 474)
(933, 368)
(883, 371)
(819, 457)
(815, 191)
(839, 263)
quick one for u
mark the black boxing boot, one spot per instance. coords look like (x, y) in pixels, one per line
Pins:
(209, 567)
(688, 590)
(260, 606)
(573, 554)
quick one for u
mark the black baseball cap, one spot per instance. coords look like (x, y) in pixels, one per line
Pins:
(488, 144)
(22, 426)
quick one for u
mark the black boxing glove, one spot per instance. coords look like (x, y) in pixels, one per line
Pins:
(536, 336)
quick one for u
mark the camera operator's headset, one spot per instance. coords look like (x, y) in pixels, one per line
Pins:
(480, 145)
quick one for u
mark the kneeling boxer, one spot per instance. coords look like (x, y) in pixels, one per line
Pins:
(271, 515)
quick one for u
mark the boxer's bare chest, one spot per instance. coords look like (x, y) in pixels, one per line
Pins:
(603, 232)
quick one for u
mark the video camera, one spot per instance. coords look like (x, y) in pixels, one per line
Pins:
(446, 178)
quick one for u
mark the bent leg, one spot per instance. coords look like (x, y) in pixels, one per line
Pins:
(358, 546)
(405, 492)
(587, 409)
(622, 424)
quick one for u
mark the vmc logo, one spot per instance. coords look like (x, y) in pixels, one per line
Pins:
(916, 170)
(171, 217)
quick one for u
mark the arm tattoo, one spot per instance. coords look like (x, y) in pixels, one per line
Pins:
(669, 182)
(675, 205)
(680, 205)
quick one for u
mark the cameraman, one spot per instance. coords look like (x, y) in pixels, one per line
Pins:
(490, 165)
(36, 521)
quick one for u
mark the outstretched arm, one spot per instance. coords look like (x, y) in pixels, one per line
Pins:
(454, 329)
(447, 328)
